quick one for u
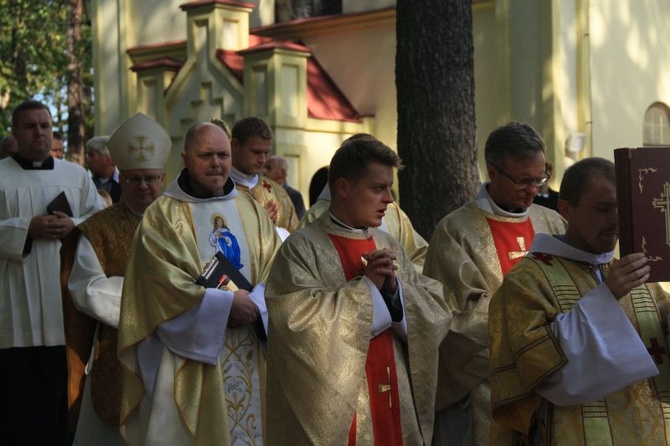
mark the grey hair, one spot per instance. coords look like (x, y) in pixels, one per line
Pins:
(98, 144)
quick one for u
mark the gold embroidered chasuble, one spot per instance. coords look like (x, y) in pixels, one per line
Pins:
(320, 330)
(398, 225)
(462, 255)
(159, 286)
(110, 232)
(267, 190)
(525, 353)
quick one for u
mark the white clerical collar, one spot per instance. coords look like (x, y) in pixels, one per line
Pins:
(175, 191)
(346, 227)
(486, 203)
(241, 178)
(557, 246)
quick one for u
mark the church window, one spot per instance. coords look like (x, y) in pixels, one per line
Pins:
(656, 126)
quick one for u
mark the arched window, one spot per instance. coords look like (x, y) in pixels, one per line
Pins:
(656, 126)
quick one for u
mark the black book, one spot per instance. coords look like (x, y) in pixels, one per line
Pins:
(60, 204)
(221, 274)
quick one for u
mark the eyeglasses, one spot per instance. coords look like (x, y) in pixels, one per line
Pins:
(525, 184)
(136, 181)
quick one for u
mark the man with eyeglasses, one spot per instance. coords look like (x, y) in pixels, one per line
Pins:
(579, 354)
(93, 261)
(470, 251)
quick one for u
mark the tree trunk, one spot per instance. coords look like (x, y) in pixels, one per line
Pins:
(75, 83)
(436, 111)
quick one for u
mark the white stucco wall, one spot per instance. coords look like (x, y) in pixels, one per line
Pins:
(629, 67)
(156, 21)
(370, 90)
(527, 66)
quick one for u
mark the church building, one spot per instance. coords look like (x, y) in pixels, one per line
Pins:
(587, 74)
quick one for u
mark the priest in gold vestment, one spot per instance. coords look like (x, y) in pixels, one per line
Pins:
(579, 354)
(470, 251)
(194, 368)
(93, 259)
(354, 332)
(395, 222)
(251, 143)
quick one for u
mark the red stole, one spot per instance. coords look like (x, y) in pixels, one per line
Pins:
(512, 241)
(380, 364)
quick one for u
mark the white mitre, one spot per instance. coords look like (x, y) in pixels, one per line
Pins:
(140, 143)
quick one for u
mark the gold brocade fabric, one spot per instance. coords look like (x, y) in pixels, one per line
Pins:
(110, 232)
(267, 190)
(524, 353)
(462, 255)
(159, 286)
(319, 333)
(399, 227)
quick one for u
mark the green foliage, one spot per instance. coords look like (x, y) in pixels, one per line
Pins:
(33, 56)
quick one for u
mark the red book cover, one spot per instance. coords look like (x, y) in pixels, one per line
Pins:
(643, 196)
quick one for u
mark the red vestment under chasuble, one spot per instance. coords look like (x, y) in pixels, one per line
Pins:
(330, 379)
(380, 364)
(512, 240)
(470, 251)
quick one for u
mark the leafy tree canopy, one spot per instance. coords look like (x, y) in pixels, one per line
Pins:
(33, 56)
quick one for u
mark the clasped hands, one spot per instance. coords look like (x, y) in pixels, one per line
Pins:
(55, 226)
(380, 267)
(627, 273)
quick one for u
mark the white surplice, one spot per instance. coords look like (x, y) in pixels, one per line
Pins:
(30, 299)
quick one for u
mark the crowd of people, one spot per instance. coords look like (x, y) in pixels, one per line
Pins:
(217, 310)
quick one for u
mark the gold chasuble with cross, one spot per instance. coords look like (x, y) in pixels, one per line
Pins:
(267, 190)
(330, 380)
(526, 353)
(470, 252)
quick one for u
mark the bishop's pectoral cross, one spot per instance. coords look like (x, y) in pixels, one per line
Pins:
(522, 249)
(381, 388)
(663, 203)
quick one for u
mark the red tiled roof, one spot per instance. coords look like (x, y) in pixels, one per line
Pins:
(268, 44)
(165, 62)
(163, 45)
(233, 61)
(324, 98)
(197, 3)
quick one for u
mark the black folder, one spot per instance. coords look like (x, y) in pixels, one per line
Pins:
(220, 273)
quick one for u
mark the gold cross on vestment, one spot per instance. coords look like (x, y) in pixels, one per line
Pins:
(663, 203)
(522, 249)
(381, 388)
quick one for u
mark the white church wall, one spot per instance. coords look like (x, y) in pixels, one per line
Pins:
(630, 66)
